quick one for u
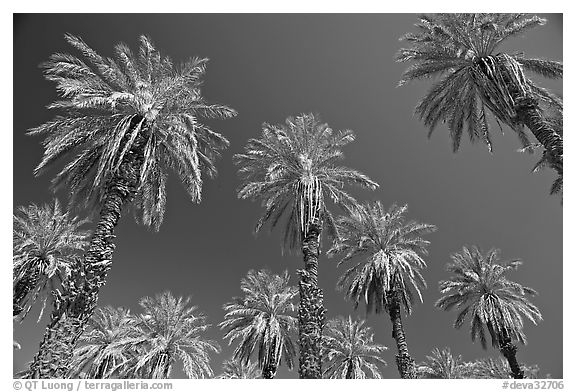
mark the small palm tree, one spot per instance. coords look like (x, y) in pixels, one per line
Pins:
(480, 289)
(263, 321)
(499, 368)
(387, 275)
(292, 169)
(350, 350)
(167, 331)
(477, 80)
(442, 364)
(126, 124)
(233, 369)
(97, 355)
(45, 240)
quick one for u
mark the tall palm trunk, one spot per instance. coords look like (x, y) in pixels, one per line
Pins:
(404, 361)
(269, 370)
(508, 350)
(311, 309)
(71, 315)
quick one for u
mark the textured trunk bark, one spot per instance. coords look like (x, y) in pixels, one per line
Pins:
(405, 363)
(269, 370)
(70, 317)
(311, 309)
(508, 350)
(530, 115)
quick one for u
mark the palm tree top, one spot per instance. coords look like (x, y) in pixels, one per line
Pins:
(442, 364)
(349, 348)
(462, 49)
(263, 319)
(136, 102)
(293, 169)
(46, 239)
(232, 369)
(97, 344)
(480, 289)
(170, 326)
(388, 251)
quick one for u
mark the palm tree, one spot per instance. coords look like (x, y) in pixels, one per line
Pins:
(262, 321)
(499, 368)
(168, 330)
(443, 365)
(233, 369)
(96, 355)
(126, 124)
(292, 169)
(387, 275)
(476, 79)
(480, 289)
(45, 239)
(350, 350)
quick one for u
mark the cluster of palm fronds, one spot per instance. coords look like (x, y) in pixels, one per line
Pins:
(119, 344)
(442, 364)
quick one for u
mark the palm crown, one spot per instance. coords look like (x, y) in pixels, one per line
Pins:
(350, 350)
(168, 330)
(263, 320)
(480, 289)
(138, 108)
(97, 355)
(45, 239)
(232, 369)
(462, 49)
(499, 368)
(292, 168)
(443, 365)
(390, 250)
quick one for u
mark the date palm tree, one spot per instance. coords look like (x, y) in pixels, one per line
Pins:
(233, 369)
(386, 275)
(262, 321)
(125, 124)
(45, 238)
(293, 170)
(167, 331)
(477, 79)
(350, 350)
(96, 355)
(479, 289)
(443, 365)
(499, 368)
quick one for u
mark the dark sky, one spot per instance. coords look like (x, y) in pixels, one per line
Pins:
(341, 66)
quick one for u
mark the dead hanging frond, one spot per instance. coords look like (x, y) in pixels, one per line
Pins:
(501, 82)
(310, 203)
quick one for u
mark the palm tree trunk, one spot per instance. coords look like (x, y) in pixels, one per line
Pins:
(508, 350)
(311, 308)
(405, 363)
(269, 370)
(69, 318)
(530, 115)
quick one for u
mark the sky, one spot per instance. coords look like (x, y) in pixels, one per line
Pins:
(341, 66)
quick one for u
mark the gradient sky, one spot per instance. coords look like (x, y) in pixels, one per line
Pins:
(270, 66)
